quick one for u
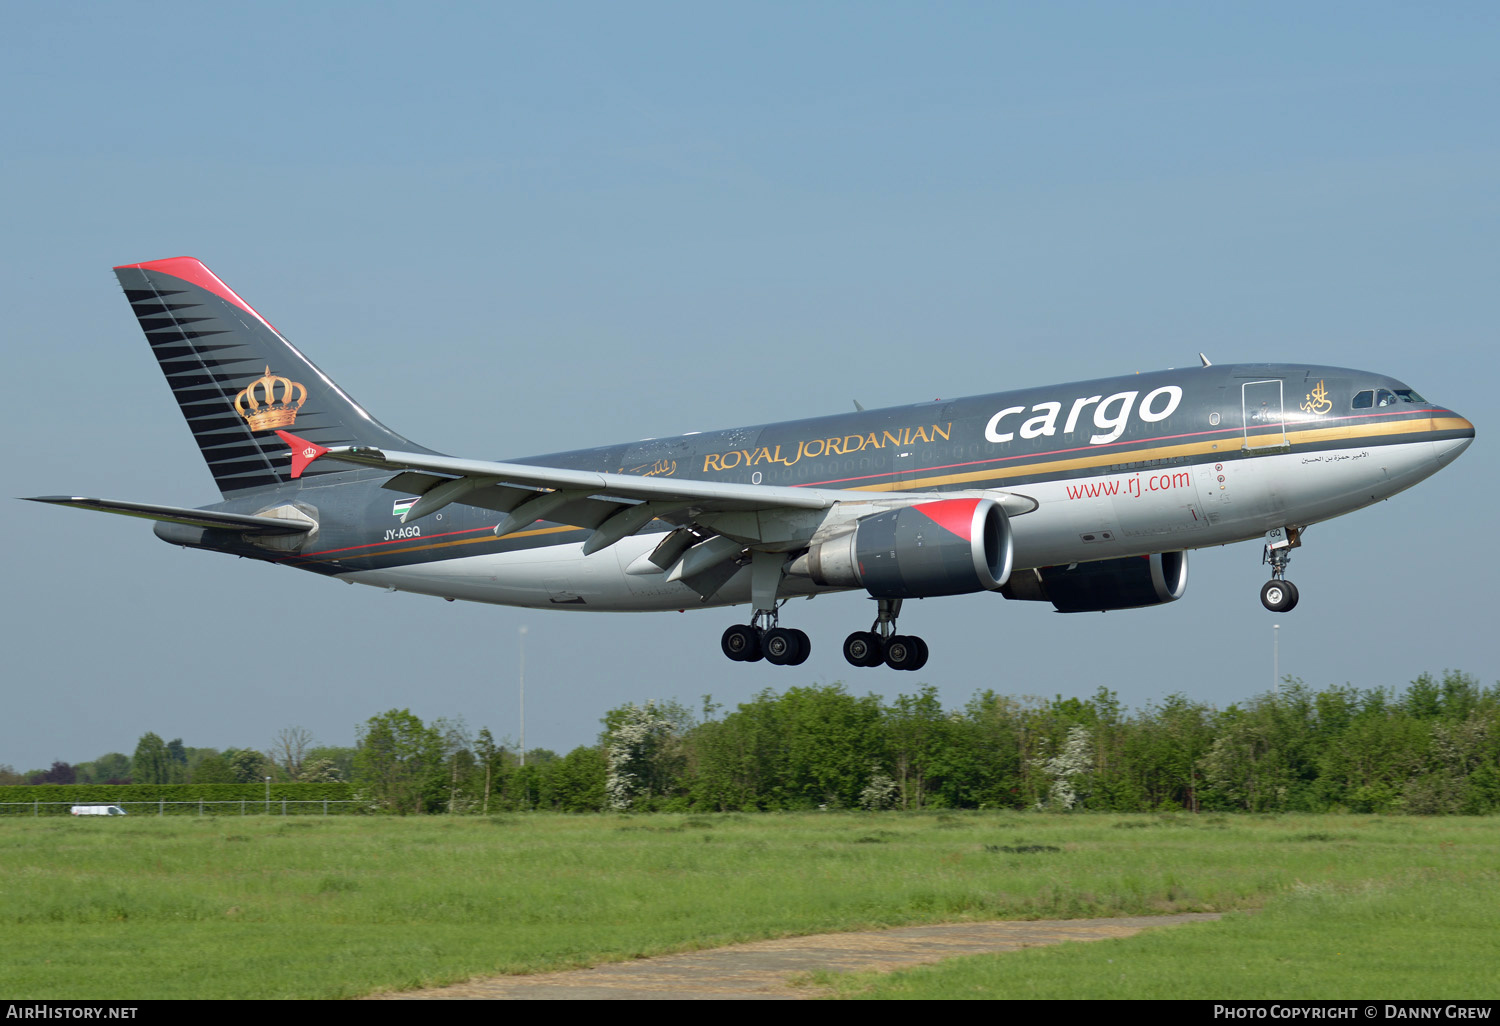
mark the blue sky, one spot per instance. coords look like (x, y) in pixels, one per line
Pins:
(514, 229)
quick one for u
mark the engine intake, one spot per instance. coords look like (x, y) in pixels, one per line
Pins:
(1126, 583)
(946, 547)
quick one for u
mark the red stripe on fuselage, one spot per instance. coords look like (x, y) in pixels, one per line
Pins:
(394, 541)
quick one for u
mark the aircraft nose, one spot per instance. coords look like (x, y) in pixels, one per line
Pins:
(1456, 427)
(1457, 434)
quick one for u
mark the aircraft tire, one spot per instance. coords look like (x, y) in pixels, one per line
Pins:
(804, 648)
(741, 643)
(782, 646)
(863, 648)
(903, 652)
(922, 651)
(1278, 596)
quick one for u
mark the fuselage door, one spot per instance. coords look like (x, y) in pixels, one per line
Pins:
(903, 467)
(1265, 422)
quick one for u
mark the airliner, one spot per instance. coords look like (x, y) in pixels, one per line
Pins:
(1087, 495)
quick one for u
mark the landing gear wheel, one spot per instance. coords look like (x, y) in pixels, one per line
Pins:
(904, 652)
(785, 647)
(1278, 596)
(804, 649)
(741, 643)
(921, 651)
(864, 648)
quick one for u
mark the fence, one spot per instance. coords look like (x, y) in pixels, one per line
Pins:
(241, 807)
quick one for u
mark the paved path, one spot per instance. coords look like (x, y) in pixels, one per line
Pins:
(762, 970)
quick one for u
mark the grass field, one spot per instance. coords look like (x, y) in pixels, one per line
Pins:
(263, 907)
(1409, 937)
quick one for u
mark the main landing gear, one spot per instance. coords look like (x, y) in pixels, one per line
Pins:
(762, 639)
(881, 644)
(1279, 595)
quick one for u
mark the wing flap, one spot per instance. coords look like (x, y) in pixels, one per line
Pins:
(587, 512)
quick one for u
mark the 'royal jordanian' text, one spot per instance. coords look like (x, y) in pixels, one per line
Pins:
(815, 447)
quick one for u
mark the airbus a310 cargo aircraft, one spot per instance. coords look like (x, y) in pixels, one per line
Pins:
(1085, 495)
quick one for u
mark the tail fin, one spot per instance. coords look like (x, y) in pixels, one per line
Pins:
(237, 379)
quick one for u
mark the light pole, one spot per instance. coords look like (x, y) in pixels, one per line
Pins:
(523, 695)
(268, 796)
(1276, 657)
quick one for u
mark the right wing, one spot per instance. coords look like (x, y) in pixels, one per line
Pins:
(243, 523)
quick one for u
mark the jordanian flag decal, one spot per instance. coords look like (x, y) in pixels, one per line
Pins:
(402, 505)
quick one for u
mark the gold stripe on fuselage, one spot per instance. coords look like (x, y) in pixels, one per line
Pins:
(1353, 434)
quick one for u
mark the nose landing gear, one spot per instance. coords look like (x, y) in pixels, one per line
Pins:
(1278, 594)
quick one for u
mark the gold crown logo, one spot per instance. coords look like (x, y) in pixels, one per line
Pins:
(273, 401)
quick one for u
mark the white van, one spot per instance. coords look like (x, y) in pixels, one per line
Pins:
(98, 810)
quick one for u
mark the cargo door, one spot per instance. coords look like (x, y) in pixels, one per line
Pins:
(1265, 419)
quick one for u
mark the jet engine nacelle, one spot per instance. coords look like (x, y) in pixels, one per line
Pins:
(944, 547)
(1126, 583)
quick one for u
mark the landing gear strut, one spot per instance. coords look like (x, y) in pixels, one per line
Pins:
(881, 643)
(763, 637)
(1279, 595)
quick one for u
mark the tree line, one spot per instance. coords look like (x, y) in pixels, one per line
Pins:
(291, 757)
(1433, 747)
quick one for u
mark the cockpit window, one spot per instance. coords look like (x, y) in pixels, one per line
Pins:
(1371, 397)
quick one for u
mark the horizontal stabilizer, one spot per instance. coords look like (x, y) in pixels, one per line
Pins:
(242, 522)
